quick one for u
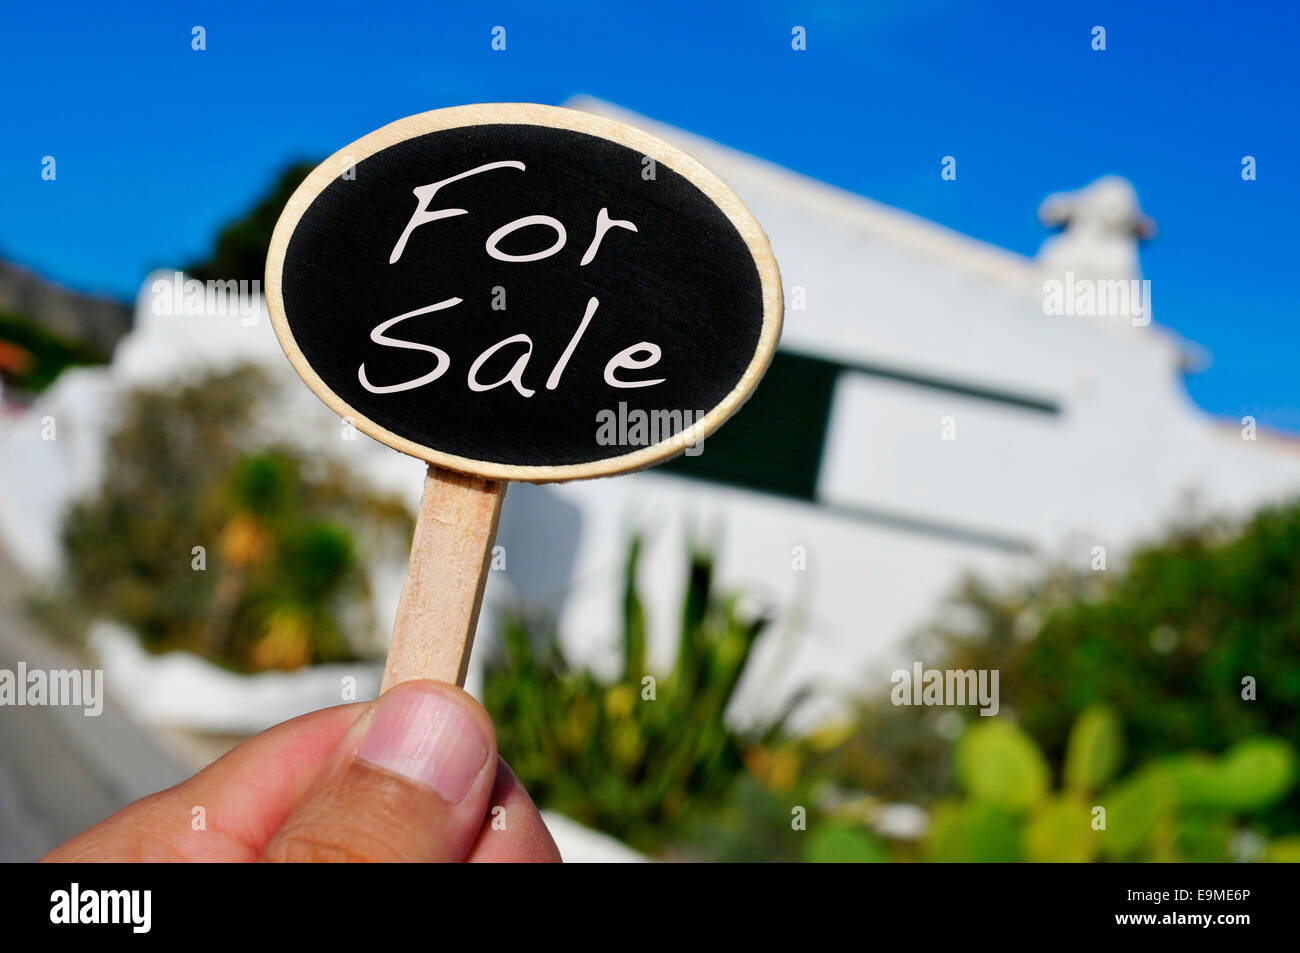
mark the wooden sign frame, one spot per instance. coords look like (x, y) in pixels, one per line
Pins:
(439, 606)
(557, 117)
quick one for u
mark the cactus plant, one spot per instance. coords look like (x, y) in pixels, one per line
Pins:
(1182, 807)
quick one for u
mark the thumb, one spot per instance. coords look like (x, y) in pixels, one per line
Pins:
(409, 782)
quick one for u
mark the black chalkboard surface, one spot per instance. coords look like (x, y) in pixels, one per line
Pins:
(524, 292)
(516, 292)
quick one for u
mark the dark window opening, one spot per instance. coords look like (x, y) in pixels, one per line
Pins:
(775, 441)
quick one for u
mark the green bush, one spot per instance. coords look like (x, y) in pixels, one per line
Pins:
(1165, 641)
(644, 758)
(280, 581)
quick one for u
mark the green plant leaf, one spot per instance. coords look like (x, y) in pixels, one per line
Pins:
(1095, 748)
(1061, 832)
(973, 833)
(1135, 808)
(634, 616)
(1253, 774)
(1284, 850)
(1203, 836)
(1000, 764)
(263, 484)
(843, 844)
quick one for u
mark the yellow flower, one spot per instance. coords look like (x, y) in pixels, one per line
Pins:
(244, 542)
(286, 644)
(832, 735)
(785, 770)
(620, 700)
(778, 770)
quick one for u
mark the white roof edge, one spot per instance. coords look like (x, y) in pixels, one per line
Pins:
(875, 219)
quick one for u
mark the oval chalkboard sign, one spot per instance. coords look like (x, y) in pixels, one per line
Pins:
(523, 292)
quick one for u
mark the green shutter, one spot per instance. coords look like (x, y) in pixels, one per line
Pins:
(774, 442)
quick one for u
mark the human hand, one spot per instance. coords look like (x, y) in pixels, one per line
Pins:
(412, 776)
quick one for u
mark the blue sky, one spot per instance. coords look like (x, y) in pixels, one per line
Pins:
(158, 145)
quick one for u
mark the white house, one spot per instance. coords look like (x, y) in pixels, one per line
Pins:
(929, 413)
(925, 417)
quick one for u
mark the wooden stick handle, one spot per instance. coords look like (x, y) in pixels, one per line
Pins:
(438, 610)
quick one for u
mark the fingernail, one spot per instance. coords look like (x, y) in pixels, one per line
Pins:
(427, 737)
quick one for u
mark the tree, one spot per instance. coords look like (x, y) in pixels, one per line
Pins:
(240, 250)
